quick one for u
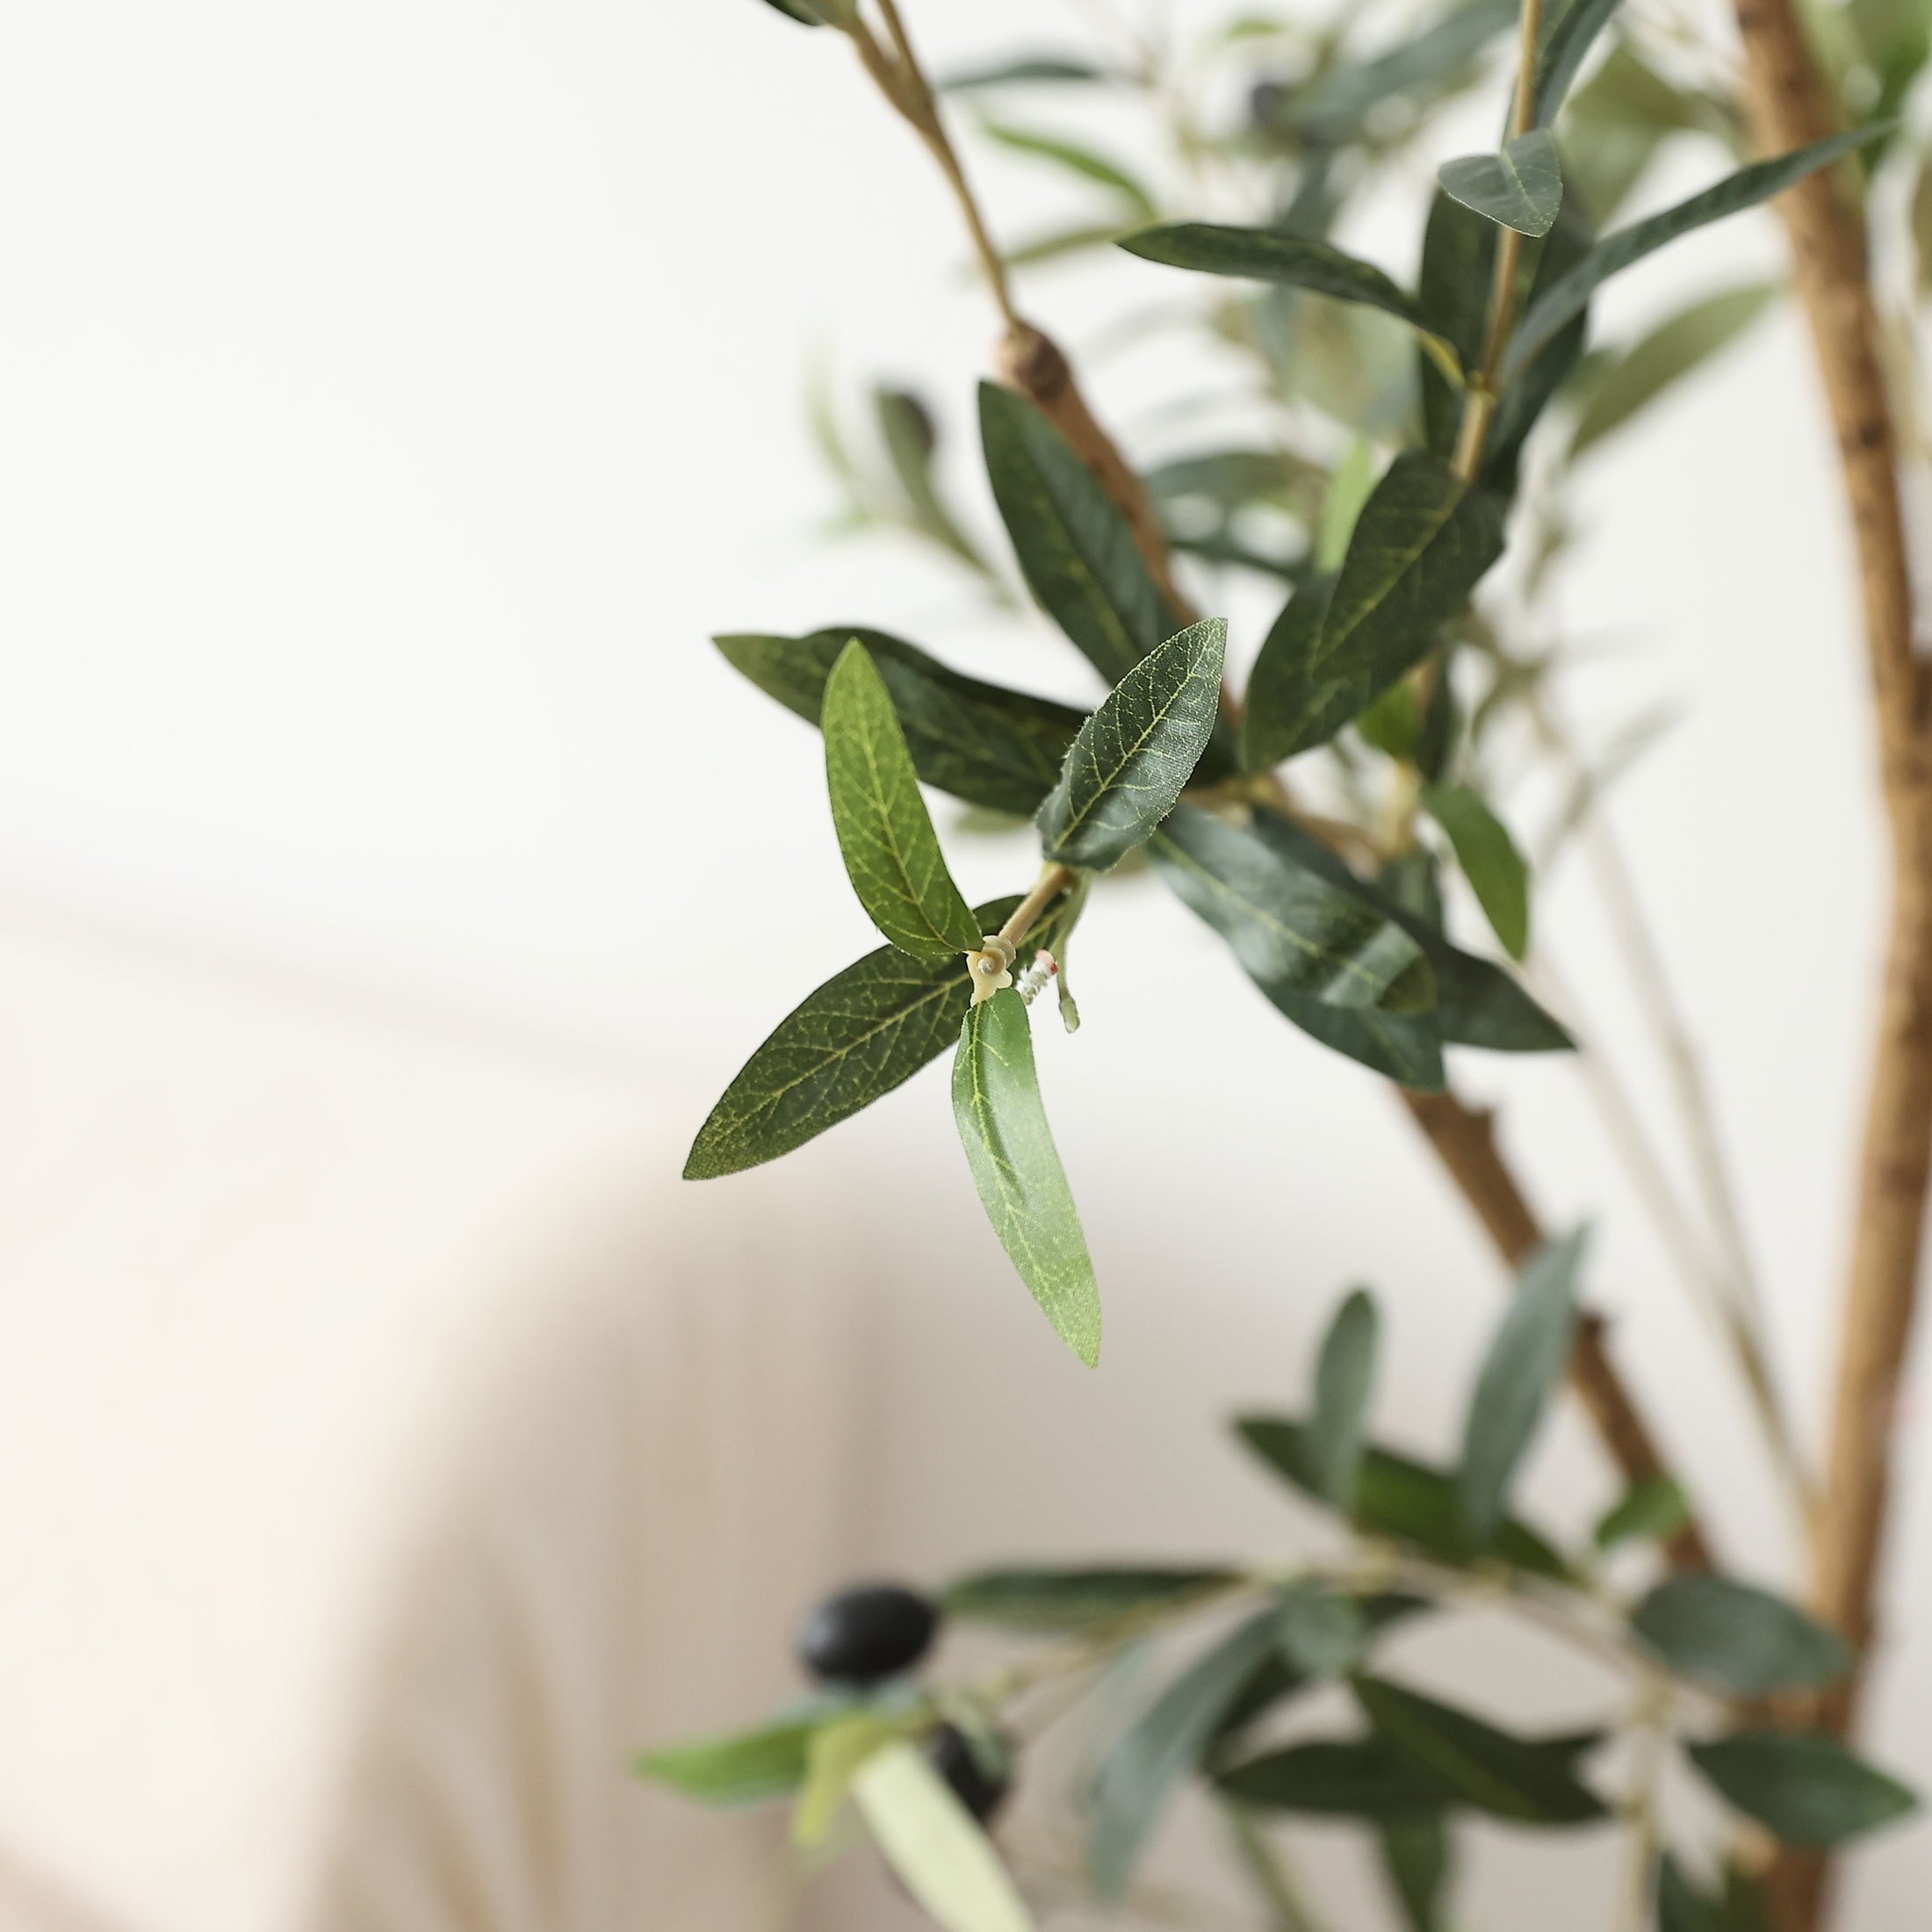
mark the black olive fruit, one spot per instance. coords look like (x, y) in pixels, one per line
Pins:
(867, 1634)
(980, 1791)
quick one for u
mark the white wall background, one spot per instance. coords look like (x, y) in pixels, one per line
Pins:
(393, 398)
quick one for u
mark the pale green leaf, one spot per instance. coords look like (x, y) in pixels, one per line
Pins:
(747, 1768)
(1566, 298)
(1654, 1510)
(1489, 860)
(1135, 755)
(1520, 187)
(1026, 70)
(1016, 1168)
(836, 1754)
(1075, 548)
(1665, 356)
(1320, 1630)
(1075, 160)
(1349, 486)
(1525, 1363)
(1162, 1746)
(1331, 108)
(929, 1838)
(891, 850)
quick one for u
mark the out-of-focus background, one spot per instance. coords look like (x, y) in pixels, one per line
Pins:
(392, 400)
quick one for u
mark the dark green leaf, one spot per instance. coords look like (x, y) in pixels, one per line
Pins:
(1031, 70)
(1525, 1362)
(1681, 1907)
(1320, 1630)
(1422, 543)
(1400, 1498)
(1057, 1600)
(1507, 1777)
(1520, 187)
(800, 10)
(891, 851)
(1163, 1745)
(1343, 1374)
(864, 1032)
(1663, 358)
(1735, 1638)
(1477, 1003)
(996, 747)
(1074, 546)
(1803, 1786)
(1655, 1510)
(1022, 1186)
(1418, 1856)
(1231, 480)
(1289, 928)
(1271, 254)
(1331, 107)
(1565, 48)
(1075, 159)
(1745, 189)
(1339, 1777)
(1458, 257)
(746, 1769)
(1489, 861)
(1133, 757)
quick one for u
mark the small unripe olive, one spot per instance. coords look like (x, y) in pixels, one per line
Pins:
(980, 1791)
(867, 1634)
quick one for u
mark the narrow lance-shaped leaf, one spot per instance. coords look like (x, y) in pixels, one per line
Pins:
(1728, 1635)
(1055, 1600)
(747, 1768)
(1672, 351)
(1016, 1168)
(1133, 757)
(1398, 1498)
(866, 1031)
(1803, 1786)
(1519, 188)
(1075, 159)
(1321, 1632)
(1339, 1777)
(993, 746)
(906, 430)
(1273, 255)
(1565, 48)
(1489, 860)
(1422, 543)
(1418, 1857)
(1344, 1372)
(1745, 189)
(1075, 548)
(1331, 107)
(838, 1752)
(1655, 1510)
(1288, 926)
(929, 1838)
(891, 852)
(1508, 1777)
(1525, 1363)
(1682, 1907)
(1030, 70)
(1141, 1772)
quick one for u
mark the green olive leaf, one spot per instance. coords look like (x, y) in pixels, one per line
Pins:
(891, 850)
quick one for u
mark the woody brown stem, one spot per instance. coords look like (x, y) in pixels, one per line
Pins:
(1785, 96)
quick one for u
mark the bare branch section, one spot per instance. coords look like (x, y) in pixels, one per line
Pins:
(1789, 106)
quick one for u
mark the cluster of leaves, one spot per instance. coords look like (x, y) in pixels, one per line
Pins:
(1415, 1765)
